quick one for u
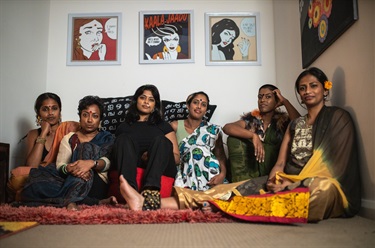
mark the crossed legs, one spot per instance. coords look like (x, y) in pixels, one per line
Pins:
(135, 200)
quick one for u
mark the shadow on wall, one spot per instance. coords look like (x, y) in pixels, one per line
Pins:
(339, 100)
(18, 155)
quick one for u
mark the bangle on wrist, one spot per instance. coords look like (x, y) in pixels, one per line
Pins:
(41, 140)
(63, 169)
(96, 163)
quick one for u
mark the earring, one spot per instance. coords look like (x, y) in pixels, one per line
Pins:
(325, 97)
(38, 121)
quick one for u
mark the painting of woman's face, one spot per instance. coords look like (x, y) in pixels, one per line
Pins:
(227, 37)
(171, 41)
(91, 35)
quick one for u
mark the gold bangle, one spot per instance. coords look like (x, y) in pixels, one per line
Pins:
(41, 140)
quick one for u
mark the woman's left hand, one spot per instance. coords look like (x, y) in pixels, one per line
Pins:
(81, 168)
(274, 187)
(218, 179)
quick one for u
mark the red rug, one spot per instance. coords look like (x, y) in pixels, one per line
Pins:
(91, 215)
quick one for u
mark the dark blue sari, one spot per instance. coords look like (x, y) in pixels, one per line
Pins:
(48, 186)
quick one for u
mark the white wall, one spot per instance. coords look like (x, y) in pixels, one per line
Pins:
(23, 68)
(43, 65)
(232, 88)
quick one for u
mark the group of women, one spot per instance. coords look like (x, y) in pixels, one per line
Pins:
(316, 151)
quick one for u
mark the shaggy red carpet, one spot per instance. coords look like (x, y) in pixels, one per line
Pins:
(89, 215)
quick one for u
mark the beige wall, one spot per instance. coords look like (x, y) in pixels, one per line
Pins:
(349, 63)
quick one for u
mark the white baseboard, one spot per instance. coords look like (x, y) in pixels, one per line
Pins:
(368, 209)
(369, 204)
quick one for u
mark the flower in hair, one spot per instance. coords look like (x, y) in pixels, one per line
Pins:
(327, 85)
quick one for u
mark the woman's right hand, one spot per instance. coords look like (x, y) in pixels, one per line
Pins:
(46, 128)
(259, 152)
(280, 97)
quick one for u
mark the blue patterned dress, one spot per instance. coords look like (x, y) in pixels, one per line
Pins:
(198, 162)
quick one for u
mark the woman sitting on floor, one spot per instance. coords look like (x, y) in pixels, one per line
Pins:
(203, 161)
(80, 173)
(144, 139)
(42, 144)
(254, 140)
(318, 152)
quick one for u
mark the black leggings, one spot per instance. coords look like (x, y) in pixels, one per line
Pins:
(98, 191)
(127, 157)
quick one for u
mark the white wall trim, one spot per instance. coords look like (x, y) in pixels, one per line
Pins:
(369, 204)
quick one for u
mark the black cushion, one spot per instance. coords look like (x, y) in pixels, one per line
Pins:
(114, 112)
(116, 107)
(178, 111)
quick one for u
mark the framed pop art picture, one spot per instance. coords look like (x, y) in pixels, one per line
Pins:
(233, 38)
(166, 37)
(94, 39)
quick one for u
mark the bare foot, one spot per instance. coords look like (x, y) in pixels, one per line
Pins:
(110, 200)
(206, 207)
(132, 197)
(72, 206)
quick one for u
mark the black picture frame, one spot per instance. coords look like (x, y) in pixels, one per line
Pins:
(322, 22)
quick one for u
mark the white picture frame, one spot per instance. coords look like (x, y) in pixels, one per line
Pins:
(242, 33)
(166, 37)
(84, 29)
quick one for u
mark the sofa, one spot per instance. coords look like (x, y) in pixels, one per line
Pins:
(114, 113)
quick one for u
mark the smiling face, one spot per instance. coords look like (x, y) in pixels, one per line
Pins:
(311, 91)
(171, 41)
(227, 36)
(91, 35)
(198, 107)
(266, 100)
(50, 111)
(90, 119)
(146, 103)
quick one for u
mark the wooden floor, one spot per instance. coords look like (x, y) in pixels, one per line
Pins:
(354, 232)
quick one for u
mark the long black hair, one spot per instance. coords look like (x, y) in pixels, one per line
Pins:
(132, 115)
(217, 29)
(314, 71)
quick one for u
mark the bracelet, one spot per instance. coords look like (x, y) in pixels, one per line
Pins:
(63, 169)
(96, 163)
(41, 140)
